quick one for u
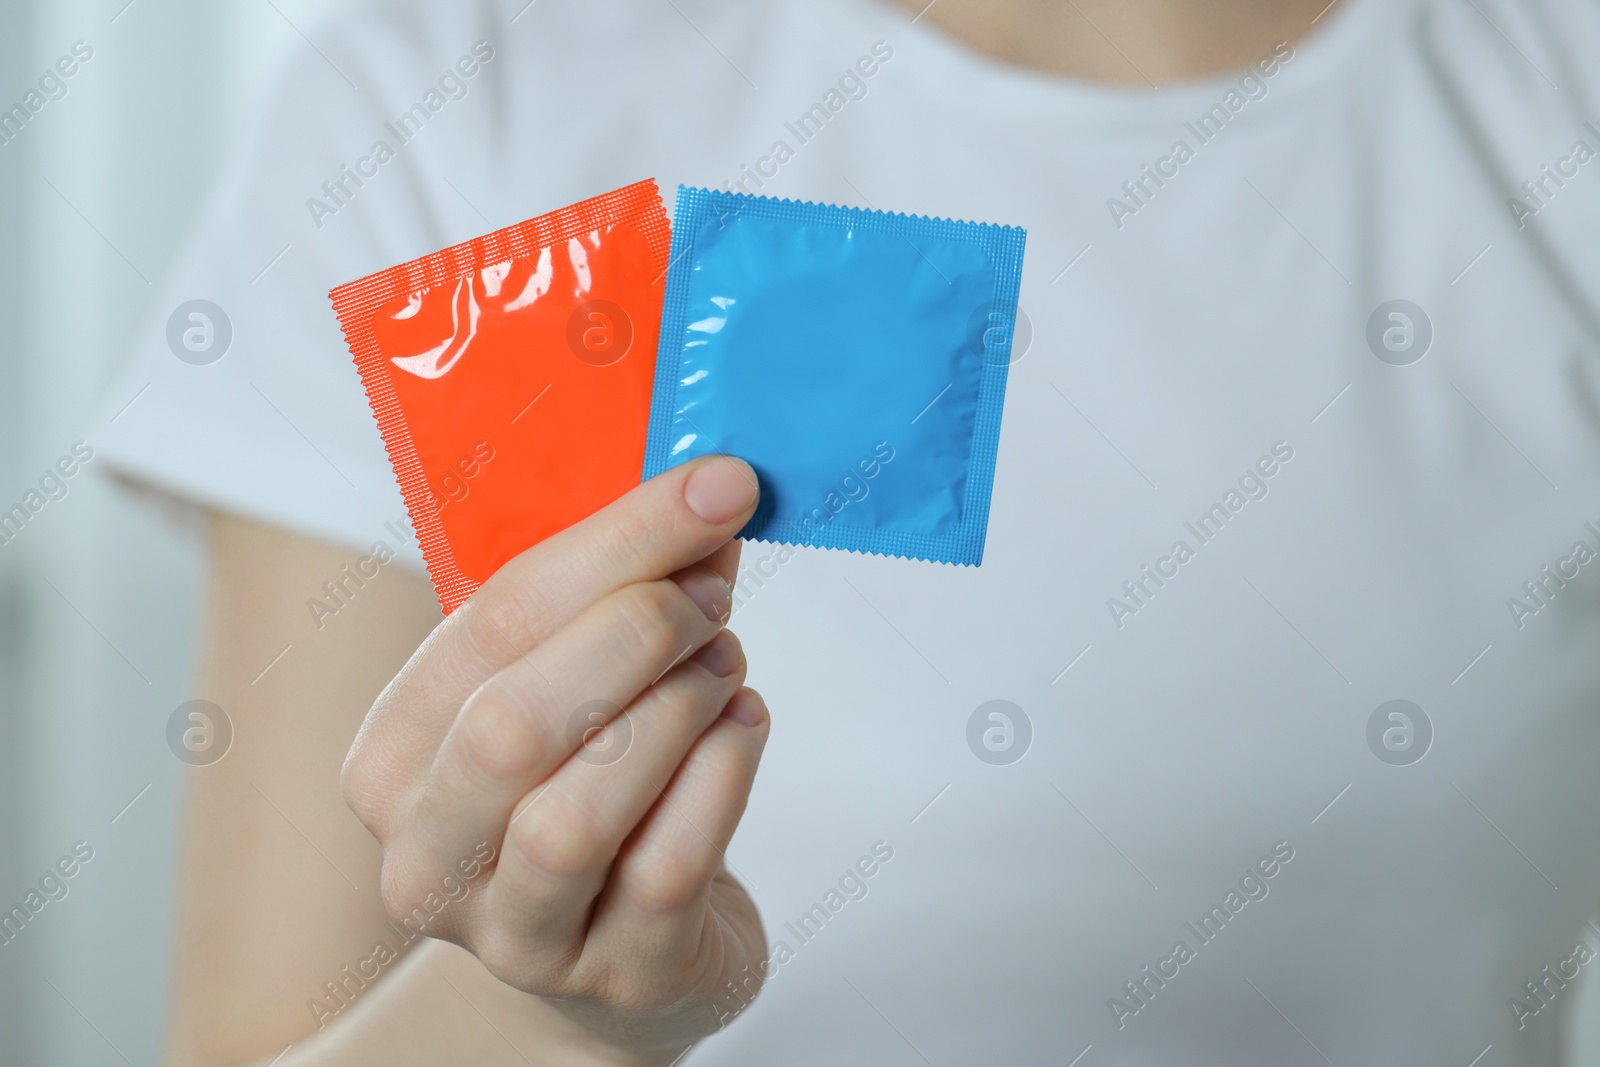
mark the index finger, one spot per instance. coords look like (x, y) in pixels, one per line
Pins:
(675, 520)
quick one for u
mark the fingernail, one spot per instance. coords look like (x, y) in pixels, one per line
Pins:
(721, 655)
(708, 590)
(746, 708)
(721, 489)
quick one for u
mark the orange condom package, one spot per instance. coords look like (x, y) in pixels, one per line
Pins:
(511, 375)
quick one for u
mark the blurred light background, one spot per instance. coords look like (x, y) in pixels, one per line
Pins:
(98, 597)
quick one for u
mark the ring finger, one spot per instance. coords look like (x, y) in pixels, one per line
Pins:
(564, 837)
(523, 723)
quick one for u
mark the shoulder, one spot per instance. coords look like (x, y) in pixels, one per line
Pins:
(1534, 53)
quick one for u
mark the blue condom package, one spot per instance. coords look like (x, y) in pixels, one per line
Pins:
(856, 359)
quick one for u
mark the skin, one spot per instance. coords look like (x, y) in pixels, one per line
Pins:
(605, 921)
(1137, 42)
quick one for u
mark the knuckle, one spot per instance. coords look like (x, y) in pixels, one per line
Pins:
(498, 732)
(500, 957)
(652, 617)
(562, 842)
(692, 697)
(667, 883)
(507, 959)
(632, 991)
(395, 889)
(543, 967)
(504, 621)
(420, 903)
(356, 783)
(373, 790)
(622, 547)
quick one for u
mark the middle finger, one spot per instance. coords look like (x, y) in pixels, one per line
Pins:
(524, 722)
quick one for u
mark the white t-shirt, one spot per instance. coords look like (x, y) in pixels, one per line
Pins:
(1193, 322)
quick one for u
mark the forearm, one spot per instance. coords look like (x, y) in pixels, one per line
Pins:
(605, 915)
(278, 885)
(440, 1006)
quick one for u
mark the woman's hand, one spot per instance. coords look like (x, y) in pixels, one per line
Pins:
(583, 717)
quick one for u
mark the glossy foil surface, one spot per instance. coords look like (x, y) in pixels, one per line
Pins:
(835, 350)
(511, 377)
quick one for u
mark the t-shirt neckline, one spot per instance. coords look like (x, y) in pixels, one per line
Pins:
(946, 67)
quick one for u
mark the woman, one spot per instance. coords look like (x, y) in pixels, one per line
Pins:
(1308, 296)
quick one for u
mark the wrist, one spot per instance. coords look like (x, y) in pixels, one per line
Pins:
(573, 1045)
(564, 1033)
(594, 1035)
